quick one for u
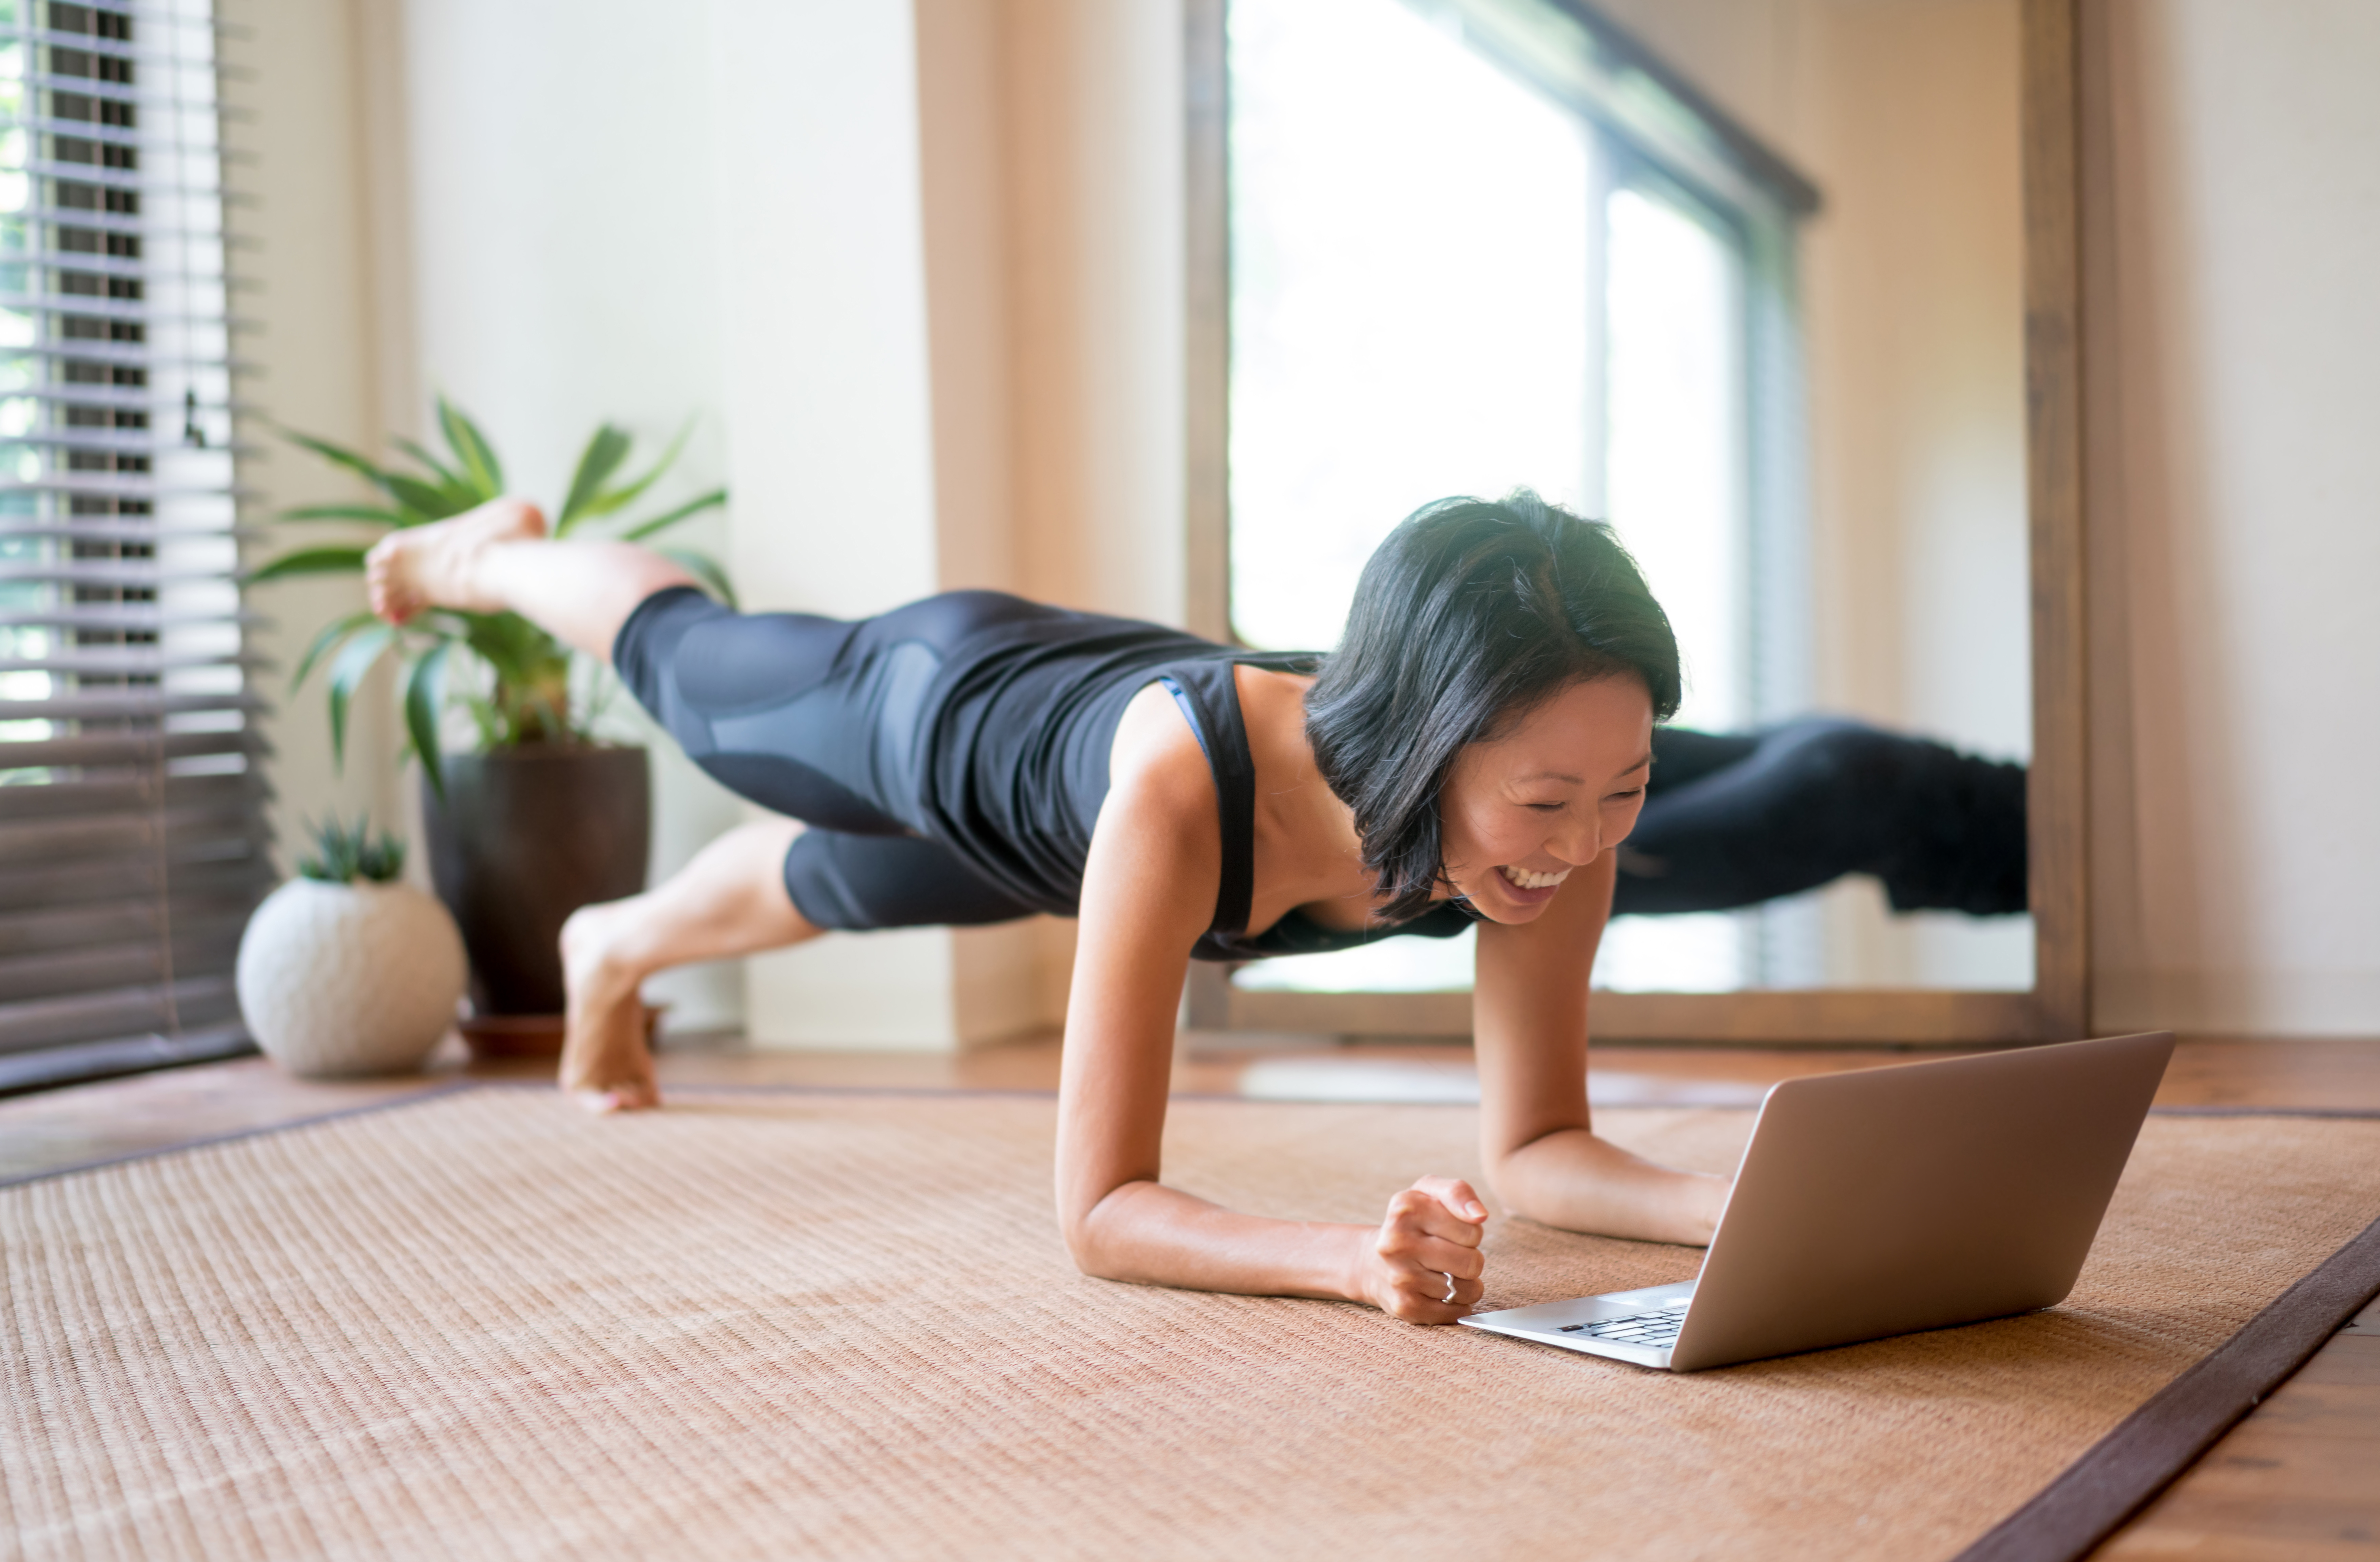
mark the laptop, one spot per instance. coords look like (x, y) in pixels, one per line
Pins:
(1886, 1201)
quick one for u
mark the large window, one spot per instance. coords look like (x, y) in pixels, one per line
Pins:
(1472, 251)
(131, 839)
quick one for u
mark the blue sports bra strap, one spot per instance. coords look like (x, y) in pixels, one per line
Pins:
(1210, 698)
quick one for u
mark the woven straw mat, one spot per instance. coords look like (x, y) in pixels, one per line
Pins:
(795, 1325)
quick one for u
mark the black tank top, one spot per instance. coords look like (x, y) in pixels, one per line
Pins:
(1019, 723)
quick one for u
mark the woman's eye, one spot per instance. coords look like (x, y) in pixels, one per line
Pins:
(1546, 808)
(1618, 797)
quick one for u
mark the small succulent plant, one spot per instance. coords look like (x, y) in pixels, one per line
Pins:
(345, 853)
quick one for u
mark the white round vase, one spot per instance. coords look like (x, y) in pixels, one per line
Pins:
(357, 978)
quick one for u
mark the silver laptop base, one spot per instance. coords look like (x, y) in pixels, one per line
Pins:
(1627, 1326)
(1885, 1201)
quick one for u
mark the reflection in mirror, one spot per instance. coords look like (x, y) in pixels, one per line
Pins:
(1744, 281)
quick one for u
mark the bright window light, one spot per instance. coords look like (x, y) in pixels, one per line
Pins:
(1703, 951)
(1416, 314)
(1674, 473)
(1408, 296)
(1390, 966)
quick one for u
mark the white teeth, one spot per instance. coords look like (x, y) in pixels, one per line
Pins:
(1527, 880)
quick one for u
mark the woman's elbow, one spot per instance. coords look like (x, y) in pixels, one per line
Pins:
(1094, 1240)
(1509, 1183)
(1089, 1256)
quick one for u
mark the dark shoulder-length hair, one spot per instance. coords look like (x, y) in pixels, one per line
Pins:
(1471, 614)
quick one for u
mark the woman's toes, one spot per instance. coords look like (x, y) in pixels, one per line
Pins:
(635, 1098)
(388, 587)
(437, 564)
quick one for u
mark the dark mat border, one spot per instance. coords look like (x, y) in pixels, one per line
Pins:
(433, 1093)
(2152, 1448)
(38, 1069)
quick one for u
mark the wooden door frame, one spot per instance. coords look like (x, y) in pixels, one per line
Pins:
(2058, 1007)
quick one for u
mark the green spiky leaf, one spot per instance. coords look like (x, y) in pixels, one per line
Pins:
(612, 501)
(416, 501)
(429, 503)
(662, 522)
(341, 455)
(376, 515)
(423, 691)
(329, 640)
(453, 484)
(343, 560)
(345, 853)
(471, 448)
(346, 672)
(601, 457)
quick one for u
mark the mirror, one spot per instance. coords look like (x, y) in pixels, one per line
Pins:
(1747, 278)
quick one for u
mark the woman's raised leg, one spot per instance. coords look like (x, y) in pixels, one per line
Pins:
(730, 899)
(498, 557)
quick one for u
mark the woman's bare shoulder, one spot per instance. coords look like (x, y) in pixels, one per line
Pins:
(1156, 850)
(1157, 770)
(1272, 700)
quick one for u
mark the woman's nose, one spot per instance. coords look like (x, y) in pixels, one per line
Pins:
(1578, 842)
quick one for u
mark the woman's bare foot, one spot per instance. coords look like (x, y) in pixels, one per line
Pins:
(438, 566)
(605, 1063)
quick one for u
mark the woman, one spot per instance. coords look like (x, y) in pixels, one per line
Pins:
(1472, 751)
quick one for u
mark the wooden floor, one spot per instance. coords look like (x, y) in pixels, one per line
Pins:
(2299, 1479)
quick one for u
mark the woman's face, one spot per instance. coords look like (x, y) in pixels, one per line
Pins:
(1562, 787)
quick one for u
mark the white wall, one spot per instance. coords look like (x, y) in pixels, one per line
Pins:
(311, 262)
(822, 266)
(2234, 232)
(1097, 236)
(1090, 244)
(562, 230)
(1915, 305)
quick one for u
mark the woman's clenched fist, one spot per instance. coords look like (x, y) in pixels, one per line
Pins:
(1431, 1235)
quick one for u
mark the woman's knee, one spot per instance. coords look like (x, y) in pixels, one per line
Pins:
(645, 651)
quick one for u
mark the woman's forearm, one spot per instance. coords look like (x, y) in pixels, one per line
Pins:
(1151, 1234)
(1580, 1182)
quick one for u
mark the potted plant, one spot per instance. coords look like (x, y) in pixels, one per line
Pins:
(344, 970)
(543, 818)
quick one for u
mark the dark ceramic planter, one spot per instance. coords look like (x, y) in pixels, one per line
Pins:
(525, 837)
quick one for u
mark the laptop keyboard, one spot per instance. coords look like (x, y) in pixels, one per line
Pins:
(1658, 1330)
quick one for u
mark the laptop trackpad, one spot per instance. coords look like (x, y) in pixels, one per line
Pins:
(1653, 1299)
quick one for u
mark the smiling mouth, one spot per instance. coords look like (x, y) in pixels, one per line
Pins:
(1523, 878)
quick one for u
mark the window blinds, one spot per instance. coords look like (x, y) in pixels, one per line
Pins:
(132, 840)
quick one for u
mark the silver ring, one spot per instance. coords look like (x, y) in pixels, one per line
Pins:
(1450, 1288)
